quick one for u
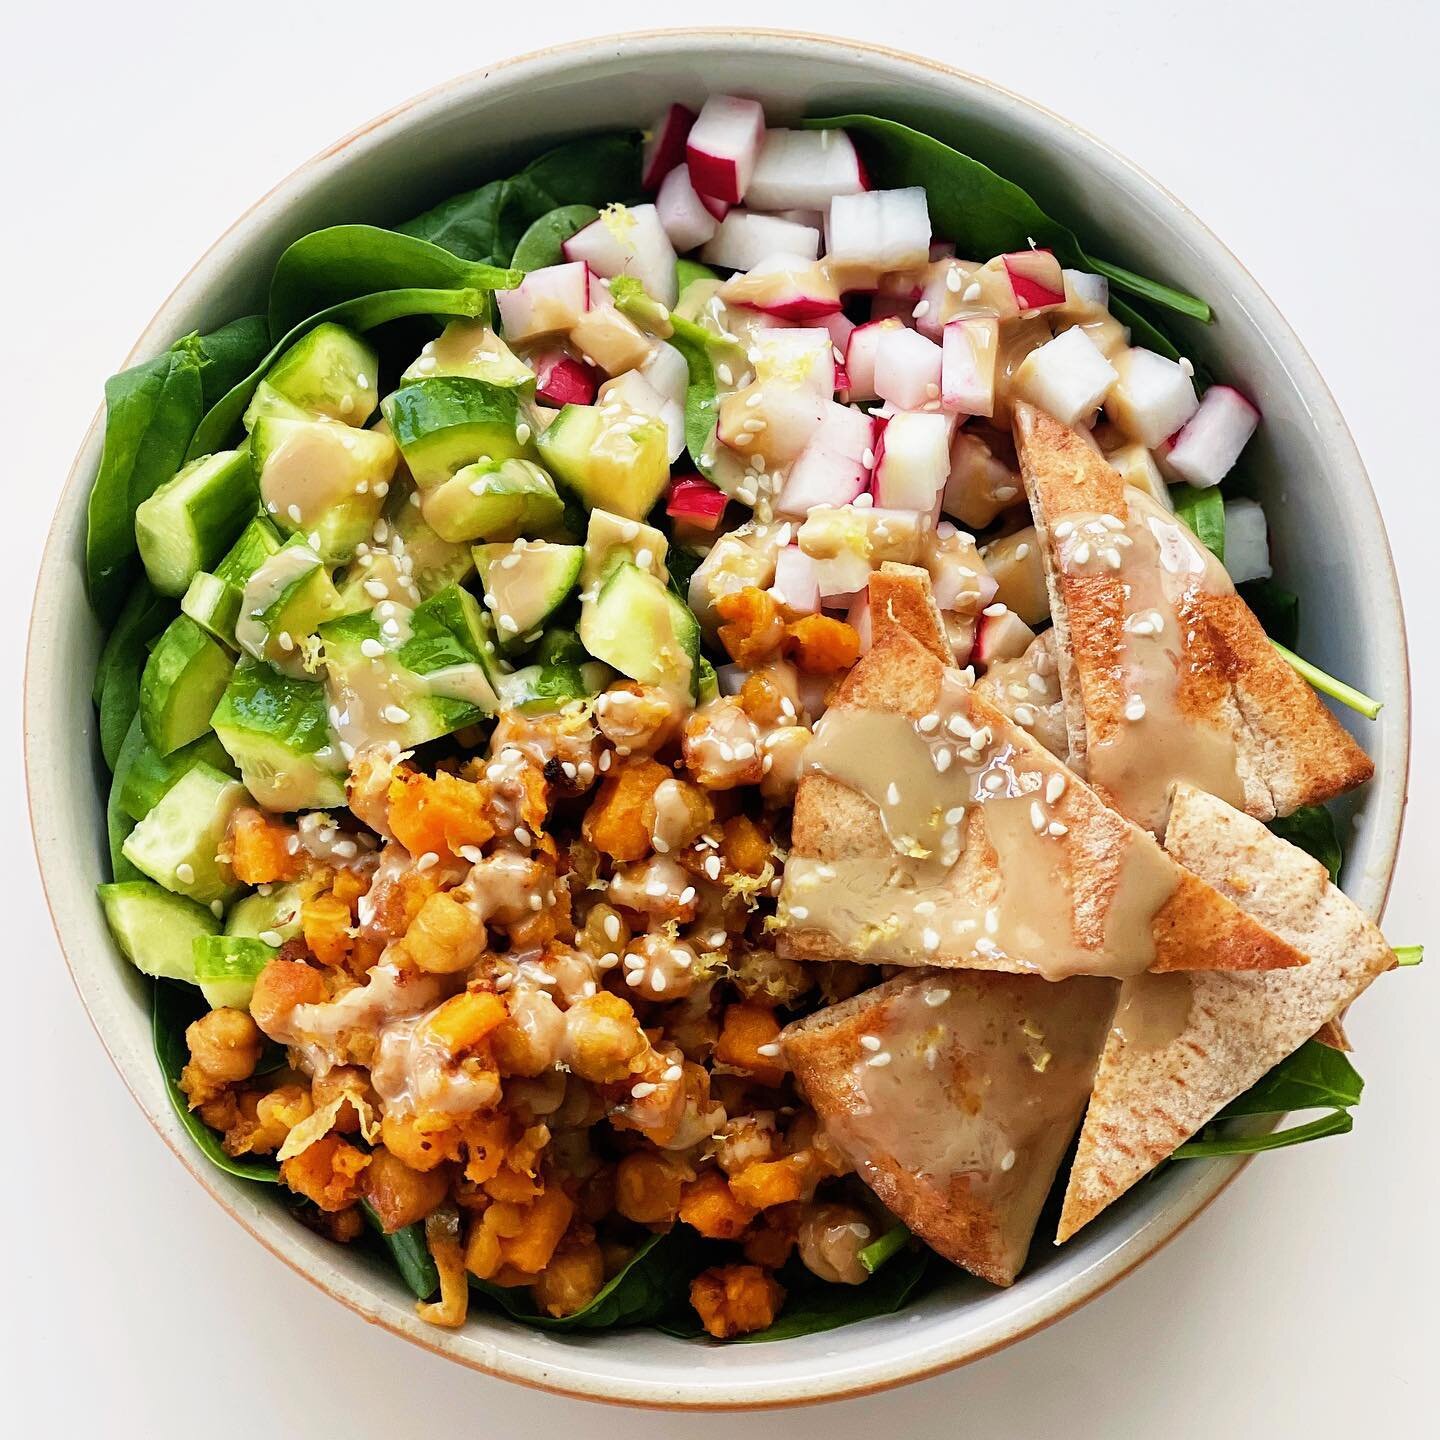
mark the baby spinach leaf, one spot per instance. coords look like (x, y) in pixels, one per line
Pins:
(175, 1006)
(117, 677)
(1407, 955)
(1314, 1077)
(647, 1287)
(1204, 512)
(542, 243)
(409, 1252)
(230, 352)
(1312, 828)
(488, 223)
(1142, 332)
(1337, 1122)
(982, 212)
(703, 353)
(151, 411)
(1276, 608)
(365, 312)
(118, 826)
(346, 262)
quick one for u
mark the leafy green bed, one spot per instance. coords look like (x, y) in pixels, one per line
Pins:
(447, 262)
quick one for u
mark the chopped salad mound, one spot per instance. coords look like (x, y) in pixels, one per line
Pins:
(665, 755)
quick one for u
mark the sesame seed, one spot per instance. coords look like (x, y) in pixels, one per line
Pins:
(892, 794)
(427, 861)
(1007, 1160)
(217, 908)
(371, 648)
(185, 873)
(876, 1062)
(870, 1042)
(1134, 708)
(644, 1088)
(935, 998)
(953, 279)
(943, 760)
(270, 937)
(799, 912)
(770, 1048)
(1065, 529)
(523, 835)
(1037, 816)
(674, 1073)
(395, 714)
(930, 939)
(1058, 828)
(926, 723)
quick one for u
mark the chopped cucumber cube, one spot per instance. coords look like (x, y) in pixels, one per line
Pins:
(178, 843)
(155, 930)
(494, 500)
(189, 522)
(213, 599)
(637, 626)
(444, 424)
(538, 689)
(525, 583)
(285, 601)
(330, 371)
(472, 349)
(609, 536)
(560, 646)
(621, 464)
(144, 776)
(183, 679)
(227, 967)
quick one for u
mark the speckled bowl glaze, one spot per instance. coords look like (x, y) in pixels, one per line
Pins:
(481, 125)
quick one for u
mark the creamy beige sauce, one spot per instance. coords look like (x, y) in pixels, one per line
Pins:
(461, 682)
(1153, 742)
(414, 1073)
(309, 474)
(275, 574)
(673, 826)
(1153, 1009)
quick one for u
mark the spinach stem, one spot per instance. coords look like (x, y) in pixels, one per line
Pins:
(1409, 954)
(1329, 685)
(874, 1255)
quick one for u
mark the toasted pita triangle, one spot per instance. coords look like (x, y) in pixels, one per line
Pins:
(982, 1069)
(1290, 750)
(1196, 928)
(1150, 1097)
(901, 599)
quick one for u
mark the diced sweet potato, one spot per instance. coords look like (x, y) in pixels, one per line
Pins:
(325, 921)
(487, 1137)
(421, 1141)
(349, 885)
(329, 1173)
(620, 819)
(753, 628)
(744, 846)
(437, 814)
(512, 1186)
(708, 1204)
(399, 1195)
(735, 1299)
(546, 1220)
(771, 1182)
(821, 645)
(463, 1021)
(647, 1188)
(259, 848)
(750, 1042)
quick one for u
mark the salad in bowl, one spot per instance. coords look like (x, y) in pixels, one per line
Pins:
(686, 723)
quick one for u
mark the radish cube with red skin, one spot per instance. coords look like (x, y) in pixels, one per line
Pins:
(561, 379)
(1001, 637)
(939, 299)
(840, 327)
(912, 467)
(628, 240)
(723, 146)
(820, 477)
(858, 619)
(1035, 279)
(907, 370)
(788, 287)
(1086, 291)
(860, 358)
(665, 147)
(886, 229)
(774, 420)
(804, 169)
(1247, 543)
(686, 220)
(960, 632)
(1205, 450)
(1066, 376)
(802, 356)
(718, 209)
(797, 584)
(844, 430)
(744, 240)
(547, 301)
(695, 500)
(1152, 397)
(969, 347)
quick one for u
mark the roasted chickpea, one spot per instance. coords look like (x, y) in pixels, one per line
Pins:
(602, 1037)
(225, 1048)
(658, 968)
(572, 1279)
(830, 1240)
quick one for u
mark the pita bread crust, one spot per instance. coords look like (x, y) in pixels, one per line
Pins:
(1148, 1101)
(967, 1228)
(1195, 928)
(1291, 750)
(901, 599)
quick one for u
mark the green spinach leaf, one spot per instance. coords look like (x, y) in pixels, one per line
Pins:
(347, 262)
(704, 355)
(542, 243)
(408, 1250)
(118, 826)
(1337, 1122)
(230, 352)
(1314, 1077)
(117, 677)
(982, 212)
(1276, 608)
(1312, 828)
(175, 1006)
(1204, 512)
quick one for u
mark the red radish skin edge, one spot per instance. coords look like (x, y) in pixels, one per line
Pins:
(564, 381)
(666, 147)
(1030, 294)
(695, 499)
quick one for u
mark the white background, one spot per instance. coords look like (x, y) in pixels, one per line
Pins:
(1303, 1302)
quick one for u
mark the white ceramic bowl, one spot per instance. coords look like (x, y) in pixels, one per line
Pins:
(1329, 541)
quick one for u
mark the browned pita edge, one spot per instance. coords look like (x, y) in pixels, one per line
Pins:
(978, 1221)
(1332, 1033)
(1292, 751)
(901, 599)
(1195, 928)
(1147, 1101)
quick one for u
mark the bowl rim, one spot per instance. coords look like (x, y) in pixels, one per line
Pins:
(1130, 1250)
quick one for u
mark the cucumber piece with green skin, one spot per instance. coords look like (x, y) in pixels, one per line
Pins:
(276, 729)
(609, 536)
(525, 583)
(618, 464)
(407, 680)
(560, 646)
(707, 688)
(227, 966)
(322, 480)
(493, 501)
(183, 680)
(285, 601)
(637, 305)
(472, 349)
(155, 930)
(144, 776)
(213, 599)
(178, 843)
(687, 271)
(268, 401)
(638, 627)
(444, 424)
(330, 371)
(276, 916)
(189, 522)
(539, 689)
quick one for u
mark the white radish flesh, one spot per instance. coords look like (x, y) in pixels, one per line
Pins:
(665, 148)
(844, 430)
(1086, 291)
(820, 477)
(887, 229)
(980, 485)
(797, 582)
(547, 301)
(1035, 279)
(774, 420)
(629, 240)
(723, 146)
(744, 240)
(686, 220)
(801, 356)
(914, 463)
(1067, 376)
(1208, 447)
(967, 371)
(1152, 396)
(804, 170)
(1247, 542)
(787, 287)
(907, 369)
(1001, 637)
(860, 358)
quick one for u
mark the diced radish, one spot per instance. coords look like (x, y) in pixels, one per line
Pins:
(786, 286)
(887, 229)
(628, 240)
(820, 477)
(844, 430)
(695, 500)
(1068, 376)
(797, 584)
(686, 220)
(546, 302)
(960, 632)
(1247, 543)
(907, 369)
(804, 169)
(667, 371)
(842, 577)
(913, 463)
(665, 148)
(858, 618)
(980, 485)
(774, 420)
(561, 379)
(841, 327)
(798, 357)
(607, 338)
(730, 679)
(718, 209)
(634, 392)
(1210, 444)
(1016, 564)
(723, 146)
(815, 219)
(745, 240)
(812, 690)
(1152, 396)
(860, 358)
(1035, 279)
(1085, 290)
(967, 372)
(1001, 637)
(940, 297)
(1136, 466)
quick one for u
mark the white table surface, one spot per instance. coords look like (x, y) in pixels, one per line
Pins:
(1303, 1302)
